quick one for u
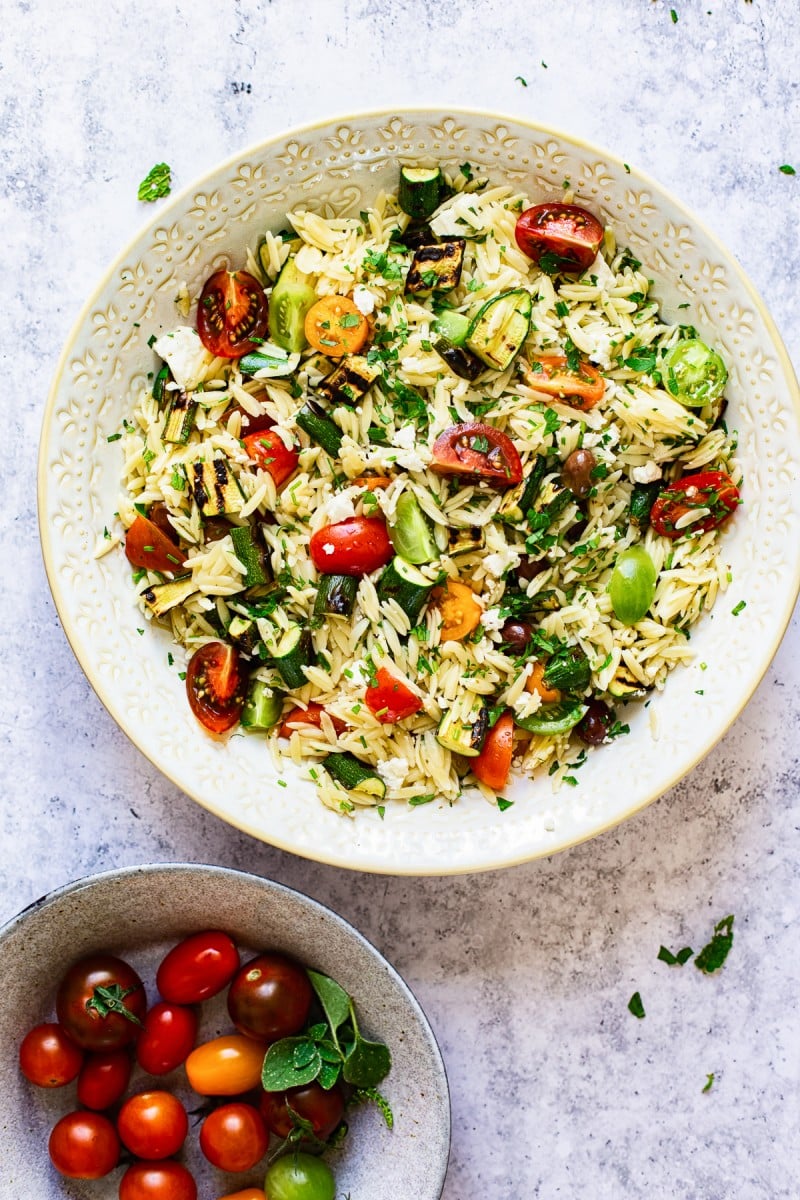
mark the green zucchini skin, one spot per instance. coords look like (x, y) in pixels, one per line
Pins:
(552, 719)
(354, 775)
(161, 597)
(462, 738)
(160, 383)
(401, 581)
(519, 500)
(293, 652)
(289, 302)
(452, 325)
(336, 595)
(179, 421)
(250, 555)
(419, 191)
(320, 428)
(256, 360)
(643, 497)
(498, 347)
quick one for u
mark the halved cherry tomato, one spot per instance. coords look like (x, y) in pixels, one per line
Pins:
(494, 761)
(269, 452)
(146, 546)
(100, 1002)
(713, 491)
(537, 684)
(373, 483)
(157, 1181)
(461, 614)
(270, 997)
(84, 1145)
(335, 327)
(323, 1110)
(479, 451)
(167, 1038)
(391, 698)
(232, 315)
(153, 1124)
(198, 967)
(103, 1078)
(559, 237)
(307, 716)
(234, 1137)
(551, 374)
(226, 1066)
(352, 547)
(215, 686)
(48, 1057)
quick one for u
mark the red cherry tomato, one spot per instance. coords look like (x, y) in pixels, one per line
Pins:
(712, 494)
(198, 967)
(48, 1058)
(323, 1110)
(234, 1137)
(298, 717)
(103, 1078)
(157, 1181)
(391, 698)
(232, 315)
(356, 546)
(479, 451)
(100, 1002)
(269, 452)
(226, 1066)
(84, 1145)
(270, 997)
(494, 761)
(153, 1124)
(559, 237)
(215, 686)
(147, 546)
(550, 373)
(167, 1038)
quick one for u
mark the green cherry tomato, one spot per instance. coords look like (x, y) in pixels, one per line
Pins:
(632, 585)
(694, 373)
(299, 1176)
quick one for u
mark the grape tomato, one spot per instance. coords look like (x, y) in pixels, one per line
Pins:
(198, 967)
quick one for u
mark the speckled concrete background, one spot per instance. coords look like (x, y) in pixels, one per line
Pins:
(557, 1090)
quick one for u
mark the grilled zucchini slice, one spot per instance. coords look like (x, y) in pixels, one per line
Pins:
(163, 596)
(436, 268)
(214, 487)
(350, 381)
(500, 328)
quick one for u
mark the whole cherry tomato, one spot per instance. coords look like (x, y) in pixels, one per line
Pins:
(84, 1145)
(355, 546)
(100, 1002)
(559, 237)
(48, 1058)
(198, 967)
(269, 452)
(250, 1193)
(215, 686)
(234, 1137)
(270, 997)
(232, 315)
(103, 1078)
(226, 1066)
(167, 1038)
(157, 1181)
(323, 1110)
(153, 1125)
(478, 451)
(299, 1176)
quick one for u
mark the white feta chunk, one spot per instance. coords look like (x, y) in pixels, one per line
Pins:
(393, 771)
(497, 564)
(363, 299)
(649, 473)
(185, 355)
(340, 506)
(492, 620)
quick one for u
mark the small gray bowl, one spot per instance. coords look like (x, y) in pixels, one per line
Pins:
(138, 913)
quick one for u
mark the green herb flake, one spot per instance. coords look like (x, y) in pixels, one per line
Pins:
(113, 437)
(349, 321)
(426, 798)
(627, 168)
(381, 810)
(675, 960)
(504, 804)
(712, 956)
(156, 184)
(635, 1006)
(787, 169)
(709, 1083)
(181, 675)
(518, 78)
(466, 171)
(674, 16)
(740, 607)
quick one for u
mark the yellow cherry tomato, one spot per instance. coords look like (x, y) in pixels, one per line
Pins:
(250, 1193)
(226, 1066)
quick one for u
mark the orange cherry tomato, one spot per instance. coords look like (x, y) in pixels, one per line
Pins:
(226, 1066)
(269, 452)
(249, 1193)
(461, 613)
(536, 683)
(372, 483)
(582, 388)
(494, 761)
(335, 327)
(147, 546)
(391, 698)
(298, 717)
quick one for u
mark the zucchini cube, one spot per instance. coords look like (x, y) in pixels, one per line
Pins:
(436, 268)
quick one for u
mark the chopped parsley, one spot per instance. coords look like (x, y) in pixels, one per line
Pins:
(675, 960)
(426, 798)
(635, 1006)
(518, 78)
(113, 437)
(709, 1083)
(674, 16)
(787, 169)
(740, 607)
(156, 184)
(712, 956)
(504, 804)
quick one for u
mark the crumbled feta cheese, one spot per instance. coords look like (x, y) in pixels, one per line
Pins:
(393, 771)
(185, 355)
(497, 564)
(328, 548)
(492, 619)
(649, 473)
(341, 506)
(406, 437)
(602, 272)
(358, 674)
(363, 300)
(410, 460)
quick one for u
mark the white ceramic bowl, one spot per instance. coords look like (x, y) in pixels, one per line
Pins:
(140, 912)
(343, 163)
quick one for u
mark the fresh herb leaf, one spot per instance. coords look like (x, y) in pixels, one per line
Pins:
(709, 1083)
(675, 960)
(739, 608)
(280, 1070)
(786, 169)
(156, 183)
(712, 956)
(333, 998)
(366, 1063)
(635, 1006)
(519, 78)
(674, 16)
(466, 171)
(425, 798)
(504, 804)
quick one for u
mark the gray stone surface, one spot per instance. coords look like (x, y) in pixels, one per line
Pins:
(557, 1090)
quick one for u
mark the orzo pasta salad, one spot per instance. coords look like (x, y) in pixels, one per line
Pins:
(430, 494)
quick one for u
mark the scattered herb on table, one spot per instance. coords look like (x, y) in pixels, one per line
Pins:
(675, 960)
(156, 183)
(519, 78)
(712, 956)
(786, 169)
(709, 1083)
(635, 1005)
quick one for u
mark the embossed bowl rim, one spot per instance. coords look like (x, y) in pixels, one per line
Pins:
(472, 835)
